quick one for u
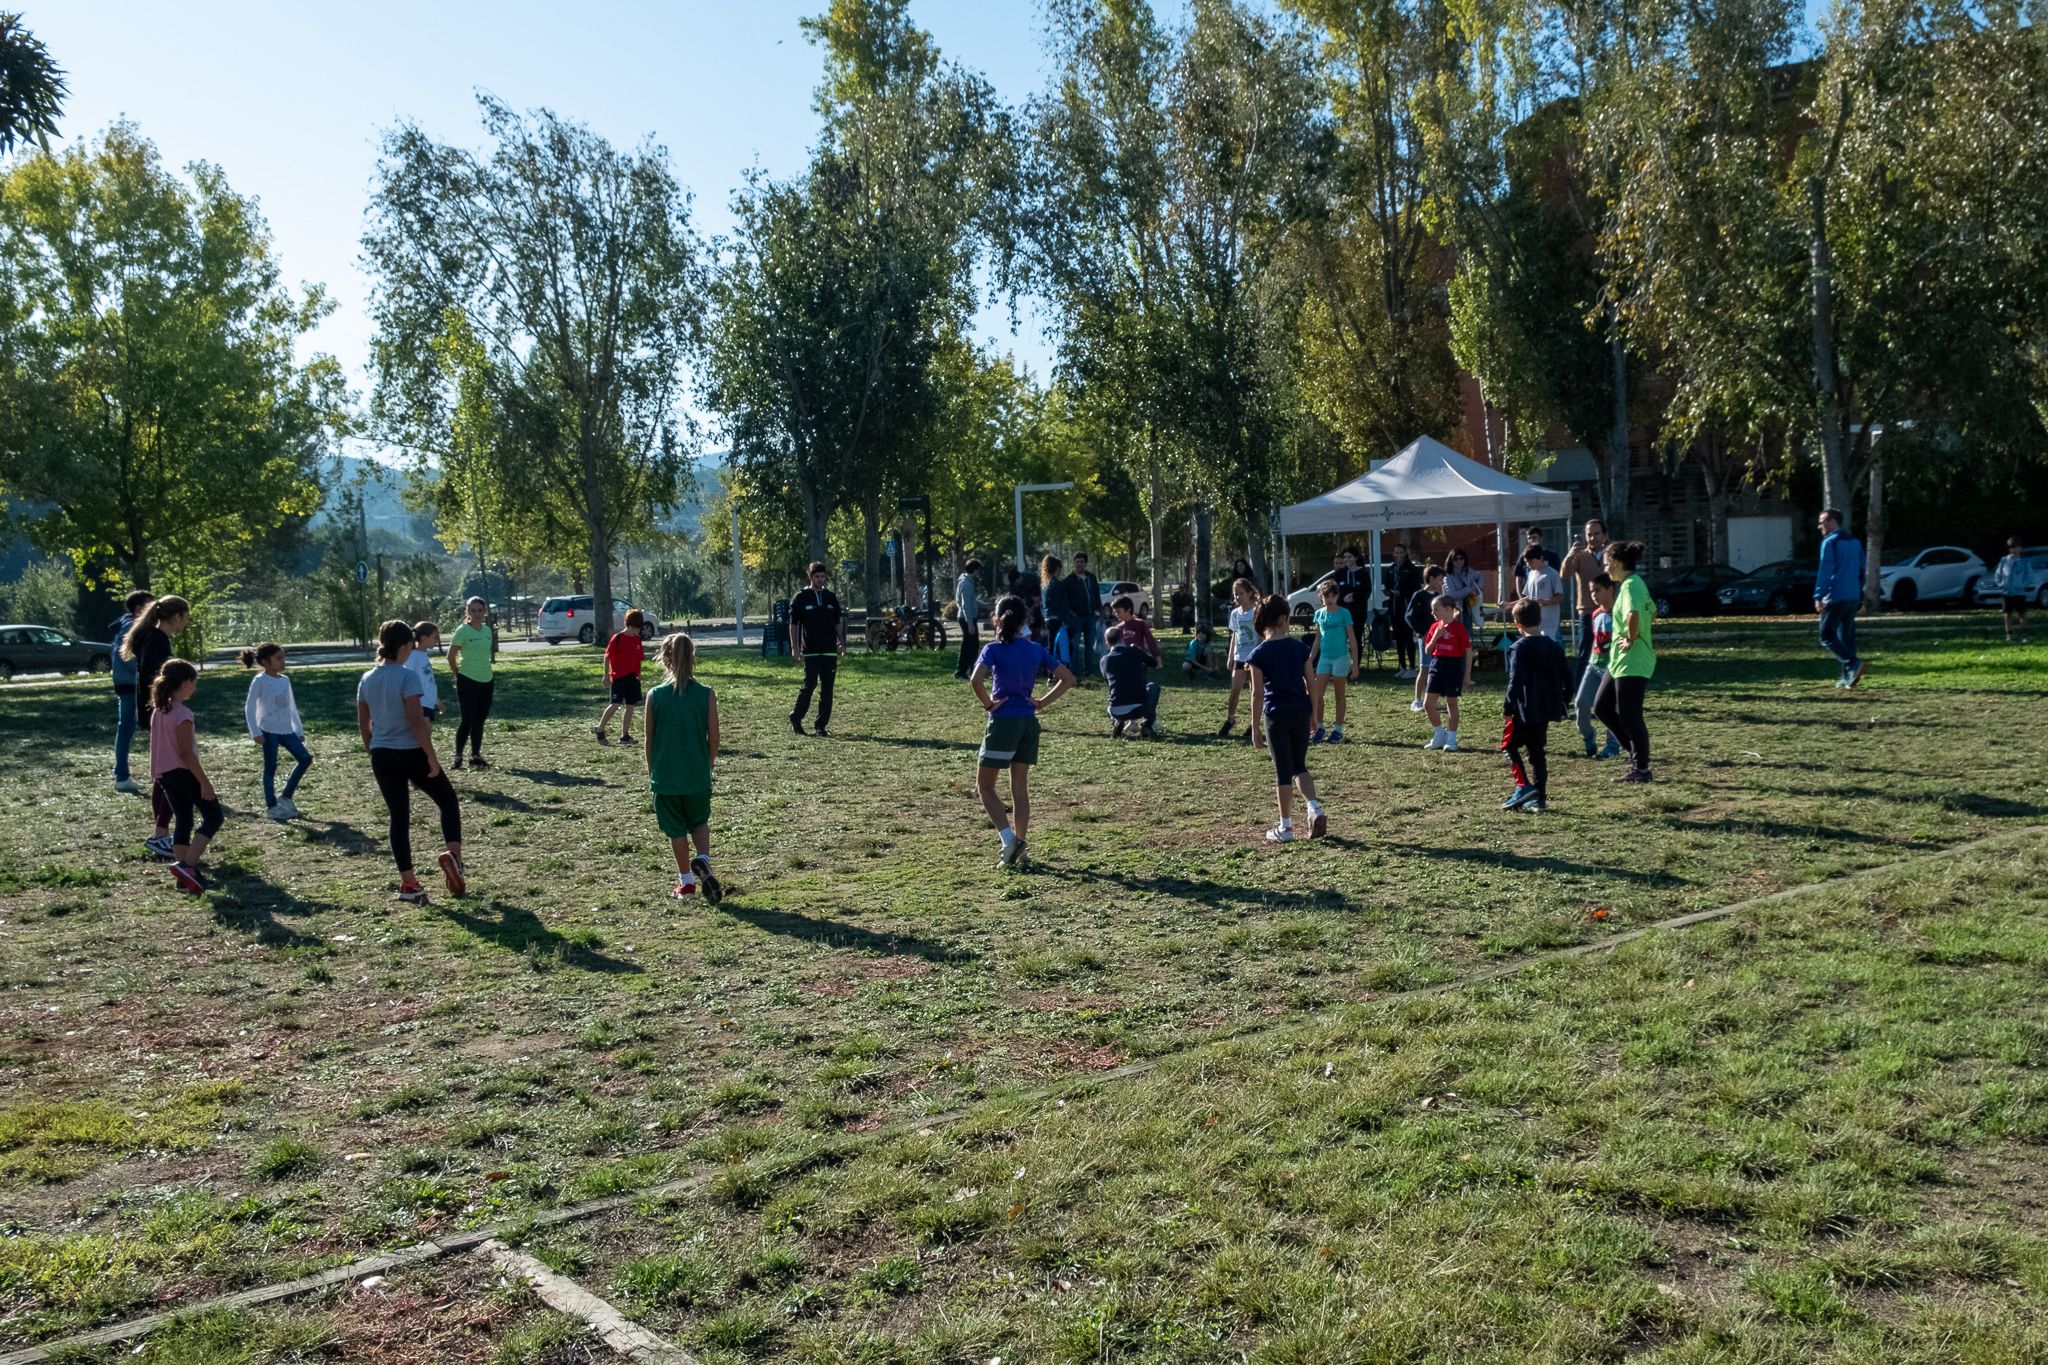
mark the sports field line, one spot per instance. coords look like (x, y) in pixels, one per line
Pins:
(829, 1153)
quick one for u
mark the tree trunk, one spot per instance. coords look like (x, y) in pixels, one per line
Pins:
(1204, 606)
(1262, 566)
(1155, 535)
(816, 517)
(1834, 478)
(1873, 526)
(601, 583)
(1614, 505)
(871, 553)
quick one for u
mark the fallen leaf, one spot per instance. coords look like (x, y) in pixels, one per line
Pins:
(1600, 912)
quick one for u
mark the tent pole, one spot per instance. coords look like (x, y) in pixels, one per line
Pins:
(1500, 562)
(1286, 564)
(1372, 599)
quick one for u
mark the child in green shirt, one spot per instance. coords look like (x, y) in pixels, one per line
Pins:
(1332, 659)
(680, 731)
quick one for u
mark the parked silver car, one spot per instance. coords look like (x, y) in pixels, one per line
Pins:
(575, 618)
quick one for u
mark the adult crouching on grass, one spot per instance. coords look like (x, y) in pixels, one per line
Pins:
(401, 748)
(469, 657)
(1631, 660)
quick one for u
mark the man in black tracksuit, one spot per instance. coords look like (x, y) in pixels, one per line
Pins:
(817, 634)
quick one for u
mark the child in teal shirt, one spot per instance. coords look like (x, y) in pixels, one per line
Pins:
(1331, 655)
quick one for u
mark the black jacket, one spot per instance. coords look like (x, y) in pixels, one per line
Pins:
(1538, 680)
(1420, 617)
(152, 648)
(1125, 668)
(1401, 581)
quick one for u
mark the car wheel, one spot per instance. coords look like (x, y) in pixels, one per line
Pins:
(1969, 593)
(646, 631)
(587, 635)
(1905, 594)
(551, 640)
(6, 671)
(99, 663)
(2041, 597)
(1663, 605)
(1778, 605)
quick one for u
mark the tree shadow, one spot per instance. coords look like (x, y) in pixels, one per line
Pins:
(833, 934)
(902, 741)
(497, 800)
(548, 777)
(1522, 862)
(1203, 891)
(520, 931)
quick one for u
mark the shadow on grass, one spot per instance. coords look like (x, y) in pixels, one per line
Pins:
(902, 741)
(251, 906)
(833, 934)
(1781, 829)
(1522, 862)
(1202, 891)
(520, 931)
(339, 834)
(548, 777)
(497, 800)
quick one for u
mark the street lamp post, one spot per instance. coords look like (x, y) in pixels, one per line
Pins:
(1018, 499)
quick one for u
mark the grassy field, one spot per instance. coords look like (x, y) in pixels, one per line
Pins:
(1812, 1130)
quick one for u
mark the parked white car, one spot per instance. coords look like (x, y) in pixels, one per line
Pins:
(1302, 602)
(1988, 594)
(1140, 598)
(575, 618)
(1940, 573)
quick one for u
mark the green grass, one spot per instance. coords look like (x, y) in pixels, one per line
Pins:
(1799, 1145)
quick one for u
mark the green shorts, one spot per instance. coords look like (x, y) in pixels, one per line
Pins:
(1009, 739)
(678, 815)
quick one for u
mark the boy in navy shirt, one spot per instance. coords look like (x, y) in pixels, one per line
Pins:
(1133, 698)
(1537, 683)
(1280, 670)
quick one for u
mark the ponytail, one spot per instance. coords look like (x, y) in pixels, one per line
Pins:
(1627, 553)
(1010, 615)
(392, 636)
(679, 658)
(252, 657)
(173, 675)
(163, 609)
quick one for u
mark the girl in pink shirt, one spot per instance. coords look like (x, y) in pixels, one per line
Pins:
(175, 772)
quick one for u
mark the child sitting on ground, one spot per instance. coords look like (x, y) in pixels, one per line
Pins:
(1448, 647)
(1132, 696)
(1538, 679)
(1199, 662)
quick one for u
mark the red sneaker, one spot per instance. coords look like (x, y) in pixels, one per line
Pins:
(412, 893)
(188, 879)
(451, 873)
(683, 891)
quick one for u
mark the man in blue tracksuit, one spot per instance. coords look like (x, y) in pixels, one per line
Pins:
(1838, 594)
(125, 680)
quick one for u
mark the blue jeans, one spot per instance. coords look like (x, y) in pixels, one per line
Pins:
(296, 747)
(1838, 632)
(124, 732)
(1085, 641)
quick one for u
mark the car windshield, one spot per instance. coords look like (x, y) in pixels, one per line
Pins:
(1898, 557)
(1777, 570)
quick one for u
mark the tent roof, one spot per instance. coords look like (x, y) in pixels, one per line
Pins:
(1427, 484)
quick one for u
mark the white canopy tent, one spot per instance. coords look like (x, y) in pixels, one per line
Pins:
(1426, 484)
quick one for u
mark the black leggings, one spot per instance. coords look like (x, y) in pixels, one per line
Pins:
(1619, 706)
(181, 789)
(1528, 749)
(1287, 741)
(1404, 642)
(398, 771)
(970, 648)
(475, 699)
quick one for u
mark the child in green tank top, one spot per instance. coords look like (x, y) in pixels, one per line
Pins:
(680, 732)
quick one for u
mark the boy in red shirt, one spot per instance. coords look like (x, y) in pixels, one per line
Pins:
(1134, 630)
(622, 659)
(1448, 648)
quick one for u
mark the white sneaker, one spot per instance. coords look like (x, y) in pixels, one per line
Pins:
(1436, 739)
(126, 784)
(1417, 705)
(1280, 834)
(279, 812)
(291, 808)
(1450, 741)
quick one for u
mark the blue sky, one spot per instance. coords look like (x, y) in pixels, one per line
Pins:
(289, 99)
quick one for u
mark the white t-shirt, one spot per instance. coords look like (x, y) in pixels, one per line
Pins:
(270, 708)
(422, 663)
(1541, 584)
(1244, 637)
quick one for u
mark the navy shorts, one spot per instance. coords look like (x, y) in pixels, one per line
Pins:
(626, 690)
(1446, 676)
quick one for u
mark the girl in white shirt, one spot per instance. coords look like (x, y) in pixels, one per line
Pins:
(272, 715)
(426, 637)
(1244, 638)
